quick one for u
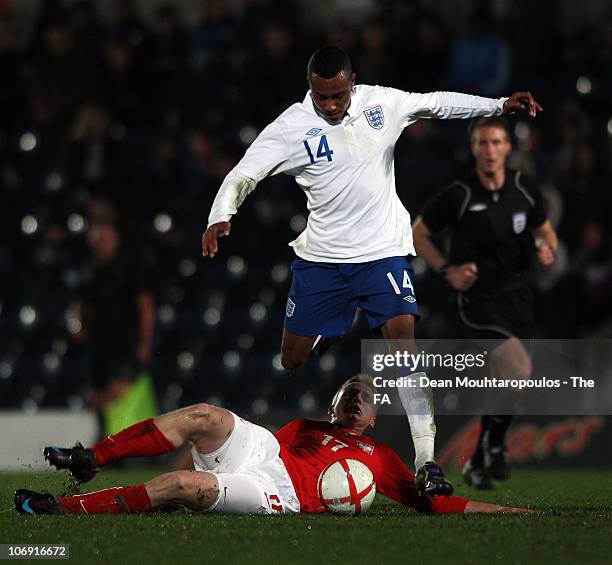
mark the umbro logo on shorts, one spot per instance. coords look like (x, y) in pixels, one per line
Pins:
(290, 308)
(409, 298)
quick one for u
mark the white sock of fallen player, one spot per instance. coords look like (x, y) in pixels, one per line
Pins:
(419, 407)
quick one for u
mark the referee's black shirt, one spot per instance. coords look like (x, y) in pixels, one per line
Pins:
(489, 228)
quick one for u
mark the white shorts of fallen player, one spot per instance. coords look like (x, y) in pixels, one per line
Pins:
(251, 475)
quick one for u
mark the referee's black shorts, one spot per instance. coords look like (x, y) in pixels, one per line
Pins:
(497, 316)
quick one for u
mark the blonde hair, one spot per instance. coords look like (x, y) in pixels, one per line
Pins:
(358, 378)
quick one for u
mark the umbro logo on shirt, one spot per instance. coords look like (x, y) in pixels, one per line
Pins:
(313, 131)
(478, 207)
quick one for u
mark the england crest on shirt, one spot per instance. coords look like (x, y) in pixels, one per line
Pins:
(519, 221)
(369, 449)
(375, 116)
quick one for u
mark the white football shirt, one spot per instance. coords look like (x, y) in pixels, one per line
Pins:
(346, 170)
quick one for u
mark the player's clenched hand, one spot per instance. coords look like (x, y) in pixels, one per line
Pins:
(210, 245)
(522, 101)
(462, 277)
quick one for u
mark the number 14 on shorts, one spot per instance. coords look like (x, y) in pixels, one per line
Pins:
(406, 282)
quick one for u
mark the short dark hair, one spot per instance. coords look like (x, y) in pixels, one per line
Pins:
(493, 122)
(328, 61)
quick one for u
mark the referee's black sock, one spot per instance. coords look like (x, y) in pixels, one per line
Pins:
(483, 440)
(498, 427)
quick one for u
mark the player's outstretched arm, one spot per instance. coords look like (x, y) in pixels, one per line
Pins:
(456, 105)
(522, 101)
(268, 155)
(485, 507)
(397, 483)
(210, 239)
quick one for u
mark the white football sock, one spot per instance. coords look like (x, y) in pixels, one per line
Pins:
(418, 405)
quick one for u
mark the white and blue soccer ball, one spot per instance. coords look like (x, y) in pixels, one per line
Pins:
(347, 487)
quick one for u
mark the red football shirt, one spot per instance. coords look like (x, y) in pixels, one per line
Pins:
(309, 446)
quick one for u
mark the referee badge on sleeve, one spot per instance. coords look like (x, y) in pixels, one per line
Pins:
(519, 221)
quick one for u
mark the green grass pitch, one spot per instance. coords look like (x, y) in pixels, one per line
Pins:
(573, 524)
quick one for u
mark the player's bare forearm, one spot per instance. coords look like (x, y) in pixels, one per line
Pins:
(486, 508)
(210, 239)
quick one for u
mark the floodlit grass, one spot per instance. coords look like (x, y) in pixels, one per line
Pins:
(573, 524)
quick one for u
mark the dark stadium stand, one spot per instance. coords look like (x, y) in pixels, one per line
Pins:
(141, 117)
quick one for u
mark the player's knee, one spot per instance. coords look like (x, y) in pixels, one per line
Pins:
(292, 361)
(201, 410)
(295, 350)
(196, 489)
(207, 490)
(515, 366)
(399, 329)
(172, 485)
(180, 482)
(201, 417)
(523, 367)
(520, 364)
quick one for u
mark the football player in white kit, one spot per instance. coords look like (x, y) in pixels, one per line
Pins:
(338, 144)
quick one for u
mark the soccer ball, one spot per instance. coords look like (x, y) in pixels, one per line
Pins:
(346, 487)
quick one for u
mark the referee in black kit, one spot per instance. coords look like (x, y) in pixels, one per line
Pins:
(497, 223)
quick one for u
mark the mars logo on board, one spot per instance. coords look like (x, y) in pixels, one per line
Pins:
(527, 442)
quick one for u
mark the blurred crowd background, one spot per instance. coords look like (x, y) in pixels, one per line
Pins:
(126, 116)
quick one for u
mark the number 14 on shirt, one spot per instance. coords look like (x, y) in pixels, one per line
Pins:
(322, 151)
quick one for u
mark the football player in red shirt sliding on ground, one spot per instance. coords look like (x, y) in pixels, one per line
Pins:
(240, 467)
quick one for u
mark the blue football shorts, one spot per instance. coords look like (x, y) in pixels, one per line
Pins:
(324, 297)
